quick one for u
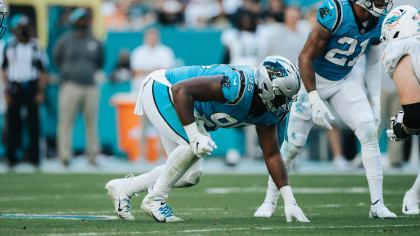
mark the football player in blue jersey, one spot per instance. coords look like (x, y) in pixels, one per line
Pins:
(184, 103)
(346, 29)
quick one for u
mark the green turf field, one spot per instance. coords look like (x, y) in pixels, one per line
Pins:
(219, 205)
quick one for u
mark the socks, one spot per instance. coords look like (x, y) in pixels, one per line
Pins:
(371, 158)
(287, 195)
(142, 182)
(416, 187)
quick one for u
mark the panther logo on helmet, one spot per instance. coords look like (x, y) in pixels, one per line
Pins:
(278, 82)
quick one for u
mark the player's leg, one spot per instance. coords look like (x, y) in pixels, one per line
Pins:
(351, 104)
(143, 182)
(90, 113)
(68, 104)
(298, 125)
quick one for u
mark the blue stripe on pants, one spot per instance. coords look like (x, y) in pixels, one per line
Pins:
(167, 110)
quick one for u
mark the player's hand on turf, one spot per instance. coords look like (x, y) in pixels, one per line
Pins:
(293, 211)
(320, 112)
(202, 145)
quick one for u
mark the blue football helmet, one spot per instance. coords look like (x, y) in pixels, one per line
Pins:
(278, 82)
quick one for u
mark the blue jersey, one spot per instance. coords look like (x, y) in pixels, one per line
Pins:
(349, 40)
(238, 86)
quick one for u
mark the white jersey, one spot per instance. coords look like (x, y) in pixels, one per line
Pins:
(394, 51)
(245, 48)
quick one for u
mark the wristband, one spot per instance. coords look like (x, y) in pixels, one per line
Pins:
(191, 130)
(313, 96)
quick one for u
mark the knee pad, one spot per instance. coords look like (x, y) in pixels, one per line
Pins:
(367, 133)
(289, 151)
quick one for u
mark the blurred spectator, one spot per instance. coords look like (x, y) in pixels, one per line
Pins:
(117, 20)
(122, 70)
(170, 12)
(274, 12)
(78, 56)
(244, 45)
(148, 57)
(292, 37)
(23, 72)
(151, 55)
(199, 13)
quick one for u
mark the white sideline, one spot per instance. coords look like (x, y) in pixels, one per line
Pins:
(237, 229)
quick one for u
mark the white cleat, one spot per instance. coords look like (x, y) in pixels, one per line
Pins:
(120, 199)
(266, 210)
(159, 210)
(380, 211)
(410, 204)
(293, 211)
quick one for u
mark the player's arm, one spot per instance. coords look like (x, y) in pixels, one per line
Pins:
(409, 91)
(373, 81)
(313, 48)
(208, 88)
(184, 93)
(315, 44)
(267, 137)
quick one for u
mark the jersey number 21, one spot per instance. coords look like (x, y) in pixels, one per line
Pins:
(345, 59)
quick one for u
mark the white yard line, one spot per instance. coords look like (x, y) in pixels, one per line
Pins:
(303, 227)
(321, 190)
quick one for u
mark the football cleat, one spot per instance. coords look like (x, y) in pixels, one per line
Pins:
(265, 210)
(120, 199)
(159, 210)
(410, 204)
(293, 211)
(380, 211)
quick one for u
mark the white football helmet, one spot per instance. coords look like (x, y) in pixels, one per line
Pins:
(278, 82)
(372, 7)
(3, 13)
(402, 22)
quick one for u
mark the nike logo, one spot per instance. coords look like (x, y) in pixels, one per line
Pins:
(331, 7)
(406, 209)
(162, 203)
(235, 82)
(119, 205)
(375, 202)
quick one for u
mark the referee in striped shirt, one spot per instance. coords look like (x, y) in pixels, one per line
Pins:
(24, 77)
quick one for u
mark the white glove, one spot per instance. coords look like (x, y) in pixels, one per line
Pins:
(320, 112)
(376, 109)
(201, 144)
(293, 210)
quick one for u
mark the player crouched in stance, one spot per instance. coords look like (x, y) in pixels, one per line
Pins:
(186, 102)
(345, 30)
(401, 34)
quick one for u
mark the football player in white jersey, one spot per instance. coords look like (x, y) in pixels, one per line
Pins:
(401, 34)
